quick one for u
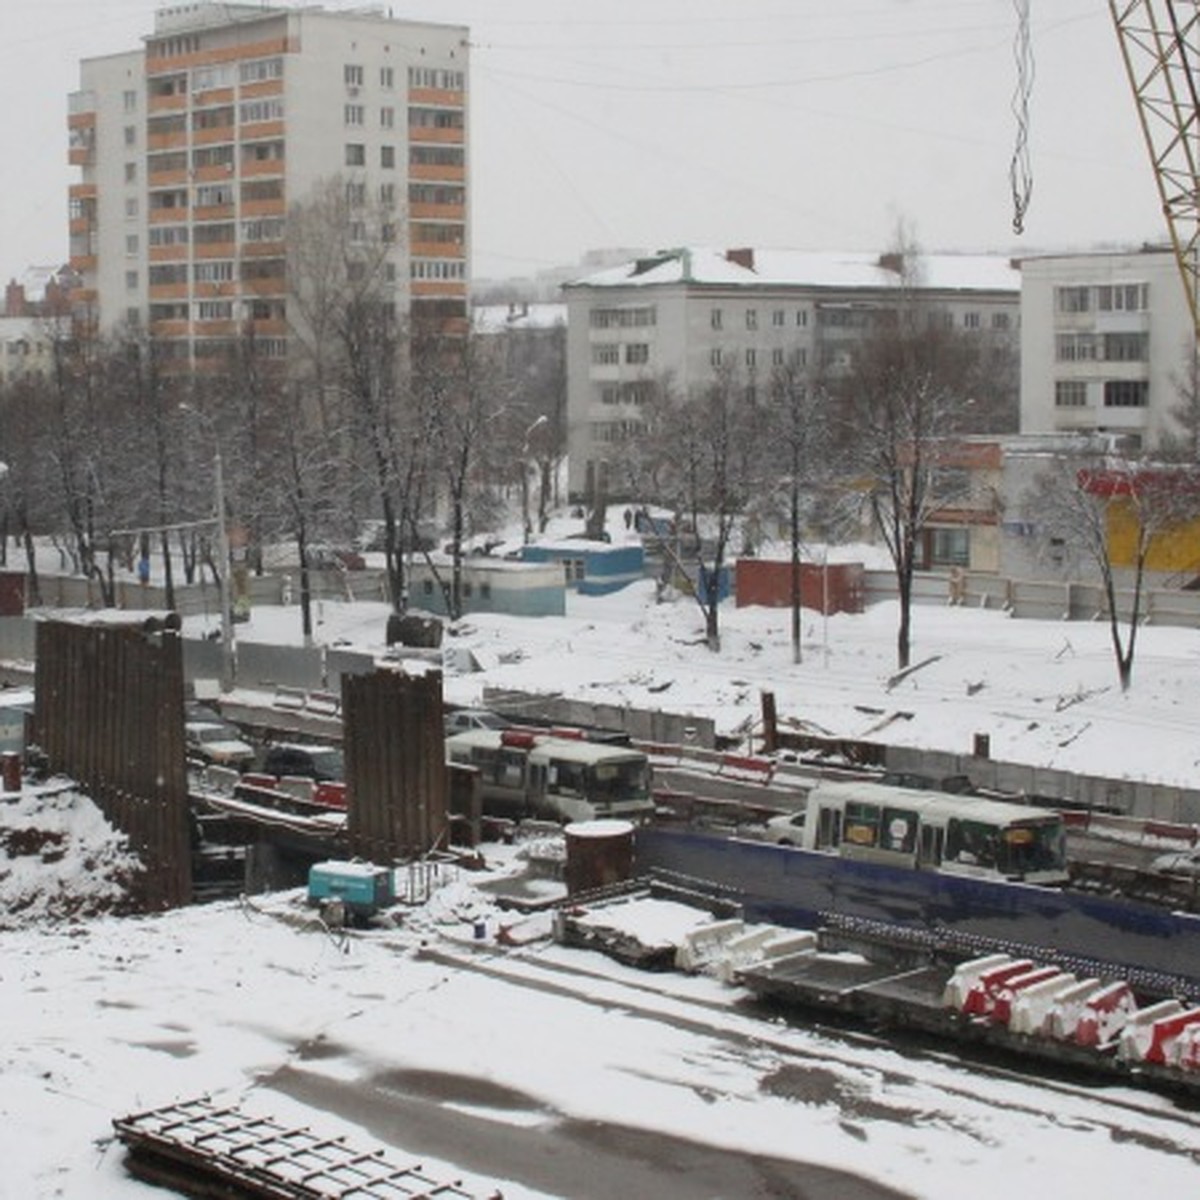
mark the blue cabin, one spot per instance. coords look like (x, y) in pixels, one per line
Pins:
(591, 568)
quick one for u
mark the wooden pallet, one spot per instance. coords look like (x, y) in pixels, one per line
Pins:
(207, 1150)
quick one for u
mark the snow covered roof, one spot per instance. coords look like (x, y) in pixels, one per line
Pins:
(754, 267)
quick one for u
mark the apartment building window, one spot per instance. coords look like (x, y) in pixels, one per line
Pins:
(1074, 347)
(622, 318)
(217, 271)
(213, 156)
(214, 310)
(131, 135)
(259, 70)
(1126, 393)
(751, 318)
(1070, 393)
(751, 357)
(352, 73)
(750, 395)
(1122, 297)
(356, 154)
(356, 193)
(1072, 299)
(448, 194)
(358, 232)
(715, 318)
(387, 78)
(387, 118)
(777, 357)
(204, 79)
(131, 206)
(254, 112)
(802, 318)
(389, 272)
(971, 320)
(950, 547)
(262, 189)
(778, 318)
(169, 235)
(387, 157)
(1000, 320)
(131, 280)
(435, 118)
(131, 172)
(606, 354)
(714, 356)
(263, 229)
(637, 353)
(352, 114)
(131, 244)
(259, 152)
(387, 195)
(129, 101)
(214, 195)
(1126, 347)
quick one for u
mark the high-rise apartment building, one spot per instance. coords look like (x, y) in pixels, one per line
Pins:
(193, 147)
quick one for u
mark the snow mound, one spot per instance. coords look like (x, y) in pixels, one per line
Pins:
(60, 859)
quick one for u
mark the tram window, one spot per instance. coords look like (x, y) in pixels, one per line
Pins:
(971, 842)
(932, 840)
(898, 830)
(829, 828)
(862, 824)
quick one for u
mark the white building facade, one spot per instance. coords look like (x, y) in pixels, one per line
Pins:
(683, 315)
(192, 148)
(1105, 341)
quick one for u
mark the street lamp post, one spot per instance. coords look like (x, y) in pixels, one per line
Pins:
(525, 518)
(224, 591)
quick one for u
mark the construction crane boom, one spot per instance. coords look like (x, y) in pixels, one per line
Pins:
(1160, 46)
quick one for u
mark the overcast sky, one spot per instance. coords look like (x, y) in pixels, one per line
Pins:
(650, 123)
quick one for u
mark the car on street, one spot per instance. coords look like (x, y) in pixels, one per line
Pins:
(323, 764)
(462, 719)
(1178, 862)
(787, 829)
(218, 744)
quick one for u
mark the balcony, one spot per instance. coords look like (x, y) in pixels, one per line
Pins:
(437, 97)
(436, 173)
(430, 135)
(83, 263)
(264, 208)
(258, 131)
(418, 211)
(438, 287)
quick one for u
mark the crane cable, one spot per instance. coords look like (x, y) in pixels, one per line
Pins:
(1020, 171)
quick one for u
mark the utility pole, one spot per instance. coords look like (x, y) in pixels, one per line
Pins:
(225, 592)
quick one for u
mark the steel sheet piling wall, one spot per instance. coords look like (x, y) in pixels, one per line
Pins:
(395, 764)
(108, 712)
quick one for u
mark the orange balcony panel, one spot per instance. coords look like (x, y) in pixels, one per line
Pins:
(160, 64)
(213, 174)
(175, 140)
(79, 225)
(264, 208)
(264, 287)
(168, 291)
(216, 328)
(213, 212)
(436, 212)
(257, 131)
(83, 262)
(82, 120)
(80, 156)
(436, 96)
(437, 250)
(167, 178)
(214, 291)
(264, 87)
(438, 287)
(177, 253)
(81, 191)
(168, 216)
(436, 173)
(169, 329)
(214, 250)
(263, 249)
(214, 137)
(423, 135)
(274, 327)
(212, 97)
(175, 103)
(258, 170)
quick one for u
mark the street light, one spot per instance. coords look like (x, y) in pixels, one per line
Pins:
(527, 523)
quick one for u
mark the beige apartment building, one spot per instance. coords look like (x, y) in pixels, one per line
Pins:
(683, 315)
(192, 148)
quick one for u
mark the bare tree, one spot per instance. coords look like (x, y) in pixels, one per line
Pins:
(705, 460)
(1085, 501)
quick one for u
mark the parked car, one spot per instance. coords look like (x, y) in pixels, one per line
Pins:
(218, 744)
(462, 719)
(787, 829)
(324, 764)
(1178, 862)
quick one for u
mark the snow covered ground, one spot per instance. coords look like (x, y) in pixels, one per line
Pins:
(491, 1063)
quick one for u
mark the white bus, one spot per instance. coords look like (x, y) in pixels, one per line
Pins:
(525, 773)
